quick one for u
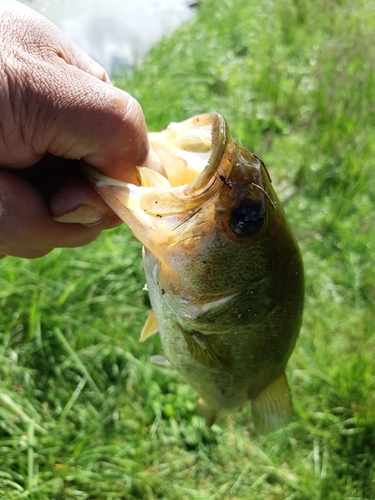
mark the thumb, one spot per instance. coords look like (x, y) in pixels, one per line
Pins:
(97, 122)
(87, 118)
(61, 102)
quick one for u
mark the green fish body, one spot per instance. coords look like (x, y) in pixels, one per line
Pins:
(223, 269)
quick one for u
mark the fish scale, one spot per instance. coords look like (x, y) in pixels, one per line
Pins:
(223, 269)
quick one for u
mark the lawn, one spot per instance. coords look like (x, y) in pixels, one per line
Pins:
(83, 412)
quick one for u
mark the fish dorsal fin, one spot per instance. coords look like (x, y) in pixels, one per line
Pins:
(150, 327)
(272, 408)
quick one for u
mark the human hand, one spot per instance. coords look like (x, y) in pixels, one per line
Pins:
(57, 105)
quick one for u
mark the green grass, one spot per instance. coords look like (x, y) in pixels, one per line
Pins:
(84, 414)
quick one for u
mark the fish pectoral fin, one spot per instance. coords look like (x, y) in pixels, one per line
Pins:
(200, 348)
(272, 408)
(160, 360)
(150, 327)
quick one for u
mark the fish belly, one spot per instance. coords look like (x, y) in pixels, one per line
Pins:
(228, 375)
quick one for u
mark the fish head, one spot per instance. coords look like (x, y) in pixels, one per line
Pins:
(214, 224)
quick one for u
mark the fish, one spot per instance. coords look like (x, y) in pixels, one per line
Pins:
(224, 271)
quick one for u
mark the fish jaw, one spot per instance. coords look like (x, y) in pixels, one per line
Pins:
(157, 207)
(123, 198)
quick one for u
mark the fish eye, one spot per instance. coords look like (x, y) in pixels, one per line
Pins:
(247, 219)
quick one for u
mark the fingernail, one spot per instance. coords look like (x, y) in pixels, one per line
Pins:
(3, 208)
(82, 215)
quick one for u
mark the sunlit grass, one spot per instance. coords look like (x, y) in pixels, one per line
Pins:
(84, 414)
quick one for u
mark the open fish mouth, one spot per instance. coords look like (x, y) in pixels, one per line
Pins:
(191, 151)
(193, 154)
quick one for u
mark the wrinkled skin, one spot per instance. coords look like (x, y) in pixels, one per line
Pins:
(57, 105)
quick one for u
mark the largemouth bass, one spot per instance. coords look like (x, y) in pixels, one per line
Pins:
(223, 269)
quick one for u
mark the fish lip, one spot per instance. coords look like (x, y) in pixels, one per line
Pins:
(187, 198)
(209, 175)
